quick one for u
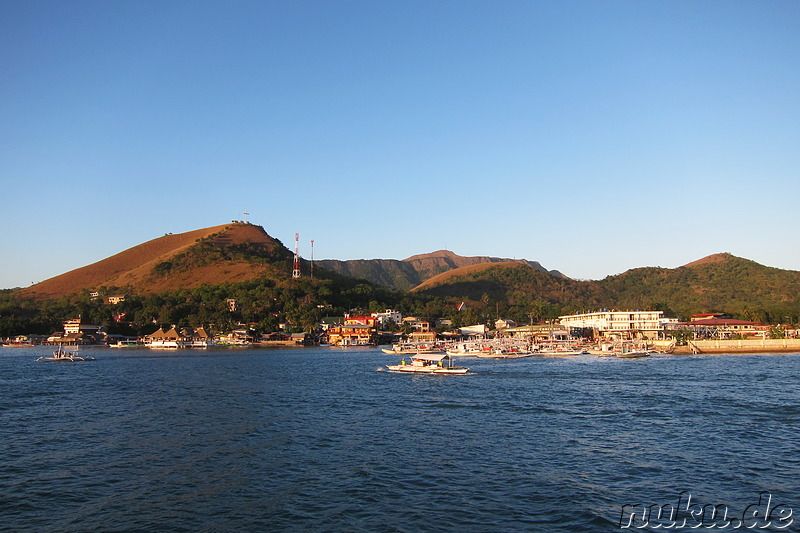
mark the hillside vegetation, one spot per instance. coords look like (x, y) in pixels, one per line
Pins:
(408, 273)
(718, 283)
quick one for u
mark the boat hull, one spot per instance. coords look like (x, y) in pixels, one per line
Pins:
(427, 369)
(632, 355)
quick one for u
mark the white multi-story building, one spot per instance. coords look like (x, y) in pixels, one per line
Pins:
(620, 324)
(386, 316)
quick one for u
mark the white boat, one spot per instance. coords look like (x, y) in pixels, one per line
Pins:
(125, 344)
(65, 356)
(164, 344)
(464, 349)
(429, 364)
(410, 348)
(493, 349)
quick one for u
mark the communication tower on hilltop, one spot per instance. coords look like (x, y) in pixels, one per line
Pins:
(296, 270)
(312, 258)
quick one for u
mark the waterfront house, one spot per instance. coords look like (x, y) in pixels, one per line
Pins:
(723, 328)
(357, 330)
(77, 325)
(618, 325)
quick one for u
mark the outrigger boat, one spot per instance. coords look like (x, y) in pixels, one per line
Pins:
(432, 363)
(65, 356)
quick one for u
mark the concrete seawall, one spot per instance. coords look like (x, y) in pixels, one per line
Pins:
(741, 346)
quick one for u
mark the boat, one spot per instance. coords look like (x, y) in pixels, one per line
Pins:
(164, 344)
(411, 348)
(630, 351)
(429, 364)
(125, 344)
(65, 356)
(560, 349)
(633, 354)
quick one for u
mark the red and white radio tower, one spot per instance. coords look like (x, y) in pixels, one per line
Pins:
(296, 271)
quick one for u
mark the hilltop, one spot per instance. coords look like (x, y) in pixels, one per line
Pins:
(228, 253)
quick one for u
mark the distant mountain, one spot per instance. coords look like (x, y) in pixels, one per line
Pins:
(221, 254)
(408, 273)
(720, 282)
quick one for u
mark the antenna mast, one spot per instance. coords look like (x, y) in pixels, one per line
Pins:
(296, 270)
(312, 258)
(245, 217)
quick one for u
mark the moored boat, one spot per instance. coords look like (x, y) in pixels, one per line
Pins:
(411, 348)
(65, 356)
(125, 344)
(633, 354)
(429, 364)
(630, 351)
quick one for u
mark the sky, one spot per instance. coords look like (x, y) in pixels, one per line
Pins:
(591, 136)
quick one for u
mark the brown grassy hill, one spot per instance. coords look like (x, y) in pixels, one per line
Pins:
(446, 277)
(144, 268)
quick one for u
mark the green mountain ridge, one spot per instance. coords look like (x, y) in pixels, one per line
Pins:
(722, 282)
(408, 273)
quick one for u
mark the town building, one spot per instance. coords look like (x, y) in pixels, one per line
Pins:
(618, 325)
(476, 331)
(387, 317)
(357, 330)
(417, 324)
(723, 328)
(502, 323)
(76, 331)
(538, 332)
(77, 325)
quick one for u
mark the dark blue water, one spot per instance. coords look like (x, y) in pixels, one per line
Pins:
(319, 440)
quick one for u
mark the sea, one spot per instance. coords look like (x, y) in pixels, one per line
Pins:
(325, 439)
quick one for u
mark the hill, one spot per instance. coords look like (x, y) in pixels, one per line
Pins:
(721, 282)
(408, 273)
(444, 277)
(229, 253)
(239, 253)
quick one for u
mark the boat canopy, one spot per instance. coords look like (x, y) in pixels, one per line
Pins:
(431, 356)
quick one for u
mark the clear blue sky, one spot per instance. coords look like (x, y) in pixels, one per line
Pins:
(591, 136)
